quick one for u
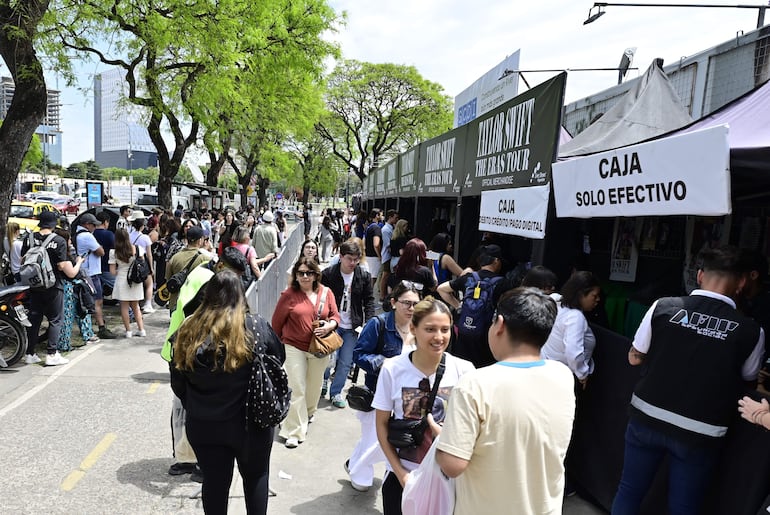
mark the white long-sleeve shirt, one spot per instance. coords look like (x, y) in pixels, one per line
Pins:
(571, 342)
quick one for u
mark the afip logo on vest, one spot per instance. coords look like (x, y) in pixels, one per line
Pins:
(705, 325)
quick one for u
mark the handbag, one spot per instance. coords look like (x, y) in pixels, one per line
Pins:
(428, 491)
(321, 346)
(175, 282)
(360, 397)
(405, 433)
(268, 395)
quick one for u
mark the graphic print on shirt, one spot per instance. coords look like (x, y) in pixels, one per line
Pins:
(414, 401)
(705, 325)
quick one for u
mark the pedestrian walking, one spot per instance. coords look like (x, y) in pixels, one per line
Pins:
(129, 295)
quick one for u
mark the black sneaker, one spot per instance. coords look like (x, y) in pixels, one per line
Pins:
(106, 334)
(197, 475)
(178, 469)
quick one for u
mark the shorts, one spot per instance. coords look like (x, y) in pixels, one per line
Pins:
(386, 267)
(374, 264)
(98, 292)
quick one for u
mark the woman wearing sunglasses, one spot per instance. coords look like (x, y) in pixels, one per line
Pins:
(292, 321)
(403, 388)
(383, 336)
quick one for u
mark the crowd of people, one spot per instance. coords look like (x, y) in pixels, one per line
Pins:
(487, 361)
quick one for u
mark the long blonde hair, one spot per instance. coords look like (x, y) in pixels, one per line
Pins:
(221, 319)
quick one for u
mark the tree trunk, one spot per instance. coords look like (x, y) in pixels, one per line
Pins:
(243, 182)
(18, 26)
(262, 184)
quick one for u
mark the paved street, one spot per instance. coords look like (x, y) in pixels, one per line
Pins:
(93, 437)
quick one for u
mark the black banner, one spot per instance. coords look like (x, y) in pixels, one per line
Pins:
(441, 164)
(513, 146)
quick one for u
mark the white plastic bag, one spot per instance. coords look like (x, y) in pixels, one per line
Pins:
(428, 491)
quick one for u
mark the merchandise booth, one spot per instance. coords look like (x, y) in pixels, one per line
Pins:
(646, 210)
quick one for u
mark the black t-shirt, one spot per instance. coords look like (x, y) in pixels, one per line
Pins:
(372, 231)
(458, 284)
(421, 274)
(57, 252)
(397, 245)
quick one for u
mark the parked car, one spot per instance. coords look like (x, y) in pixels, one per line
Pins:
(26, 213)
(63, 203)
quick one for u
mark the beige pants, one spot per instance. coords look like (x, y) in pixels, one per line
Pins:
(306, 374)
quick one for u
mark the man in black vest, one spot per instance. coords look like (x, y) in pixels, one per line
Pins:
(697, 350)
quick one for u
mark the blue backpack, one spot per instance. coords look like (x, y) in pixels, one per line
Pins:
(477, 307)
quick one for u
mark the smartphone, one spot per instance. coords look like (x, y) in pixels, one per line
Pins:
(433, 255)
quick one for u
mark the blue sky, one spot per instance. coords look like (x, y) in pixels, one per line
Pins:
(453, 42)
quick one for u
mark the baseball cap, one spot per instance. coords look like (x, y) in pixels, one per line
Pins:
(48, 220)
(194, 233)
(87, 218)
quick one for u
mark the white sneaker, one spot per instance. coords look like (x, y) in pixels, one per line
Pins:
(31, 359)
(129, 334)
(141, 333)
(148, 309)
(292, 443)
(52, 360)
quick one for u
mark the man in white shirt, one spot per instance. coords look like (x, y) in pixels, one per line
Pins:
(508, 425)
(92, 252)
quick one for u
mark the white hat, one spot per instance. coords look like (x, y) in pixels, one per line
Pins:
(137, 215)
(267, 216)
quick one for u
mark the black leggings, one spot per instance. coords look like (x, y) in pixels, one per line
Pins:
(217, 445)
(391, 495)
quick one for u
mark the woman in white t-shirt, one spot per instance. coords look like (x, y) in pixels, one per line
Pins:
(403, 386)
(129, 295)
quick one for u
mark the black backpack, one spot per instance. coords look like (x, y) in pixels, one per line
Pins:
(139, 270)
(477, 307)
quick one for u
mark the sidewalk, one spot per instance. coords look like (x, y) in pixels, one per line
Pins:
(307, 480)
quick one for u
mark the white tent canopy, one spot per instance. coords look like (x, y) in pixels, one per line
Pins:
(649, 109)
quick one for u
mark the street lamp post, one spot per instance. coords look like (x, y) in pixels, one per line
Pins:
(599, 9)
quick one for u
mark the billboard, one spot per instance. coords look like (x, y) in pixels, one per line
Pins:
(495, 87)
(441, 164)
(514, 145)
(407, 176)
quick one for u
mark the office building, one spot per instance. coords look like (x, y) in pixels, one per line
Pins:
(120, 137)
(49, 132)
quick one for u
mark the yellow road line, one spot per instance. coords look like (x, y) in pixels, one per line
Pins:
(153, 387)
(76, 475)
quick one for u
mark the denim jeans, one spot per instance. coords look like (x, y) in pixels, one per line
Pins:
(690, 470)
(344, 360)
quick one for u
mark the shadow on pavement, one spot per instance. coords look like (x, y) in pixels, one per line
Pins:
(346, 500)
(149, 377)
(151, 476)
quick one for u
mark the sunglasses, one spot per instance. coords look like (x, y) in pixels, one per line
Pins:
(305, 273)
(412, 285)
(408, 303)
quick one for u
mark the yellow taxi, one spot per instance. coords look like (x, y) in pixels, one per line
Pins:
(26, 213)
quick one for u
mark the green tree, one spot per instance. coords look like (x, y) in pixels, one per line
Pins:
(34, 154)
(312, 153)
(182, 59)
(374, 109)
(19, 28)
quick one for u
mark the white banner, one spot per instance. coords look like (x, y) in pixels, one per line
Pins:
(679, 175)
(518, 211)
(494, 88)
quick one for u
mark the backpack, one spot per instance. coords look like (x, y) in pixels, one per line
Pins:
(36, 269)
(138, 270)
(477, 307)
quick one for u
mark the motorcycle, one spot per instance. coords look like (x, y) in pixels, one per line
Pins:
(13, 320)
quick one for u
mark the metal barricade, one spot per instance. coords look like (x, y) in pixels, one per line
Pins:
(262, 295)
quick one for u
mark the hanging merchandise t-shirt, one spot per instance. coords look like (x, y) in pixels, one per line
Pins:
(345, 320)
